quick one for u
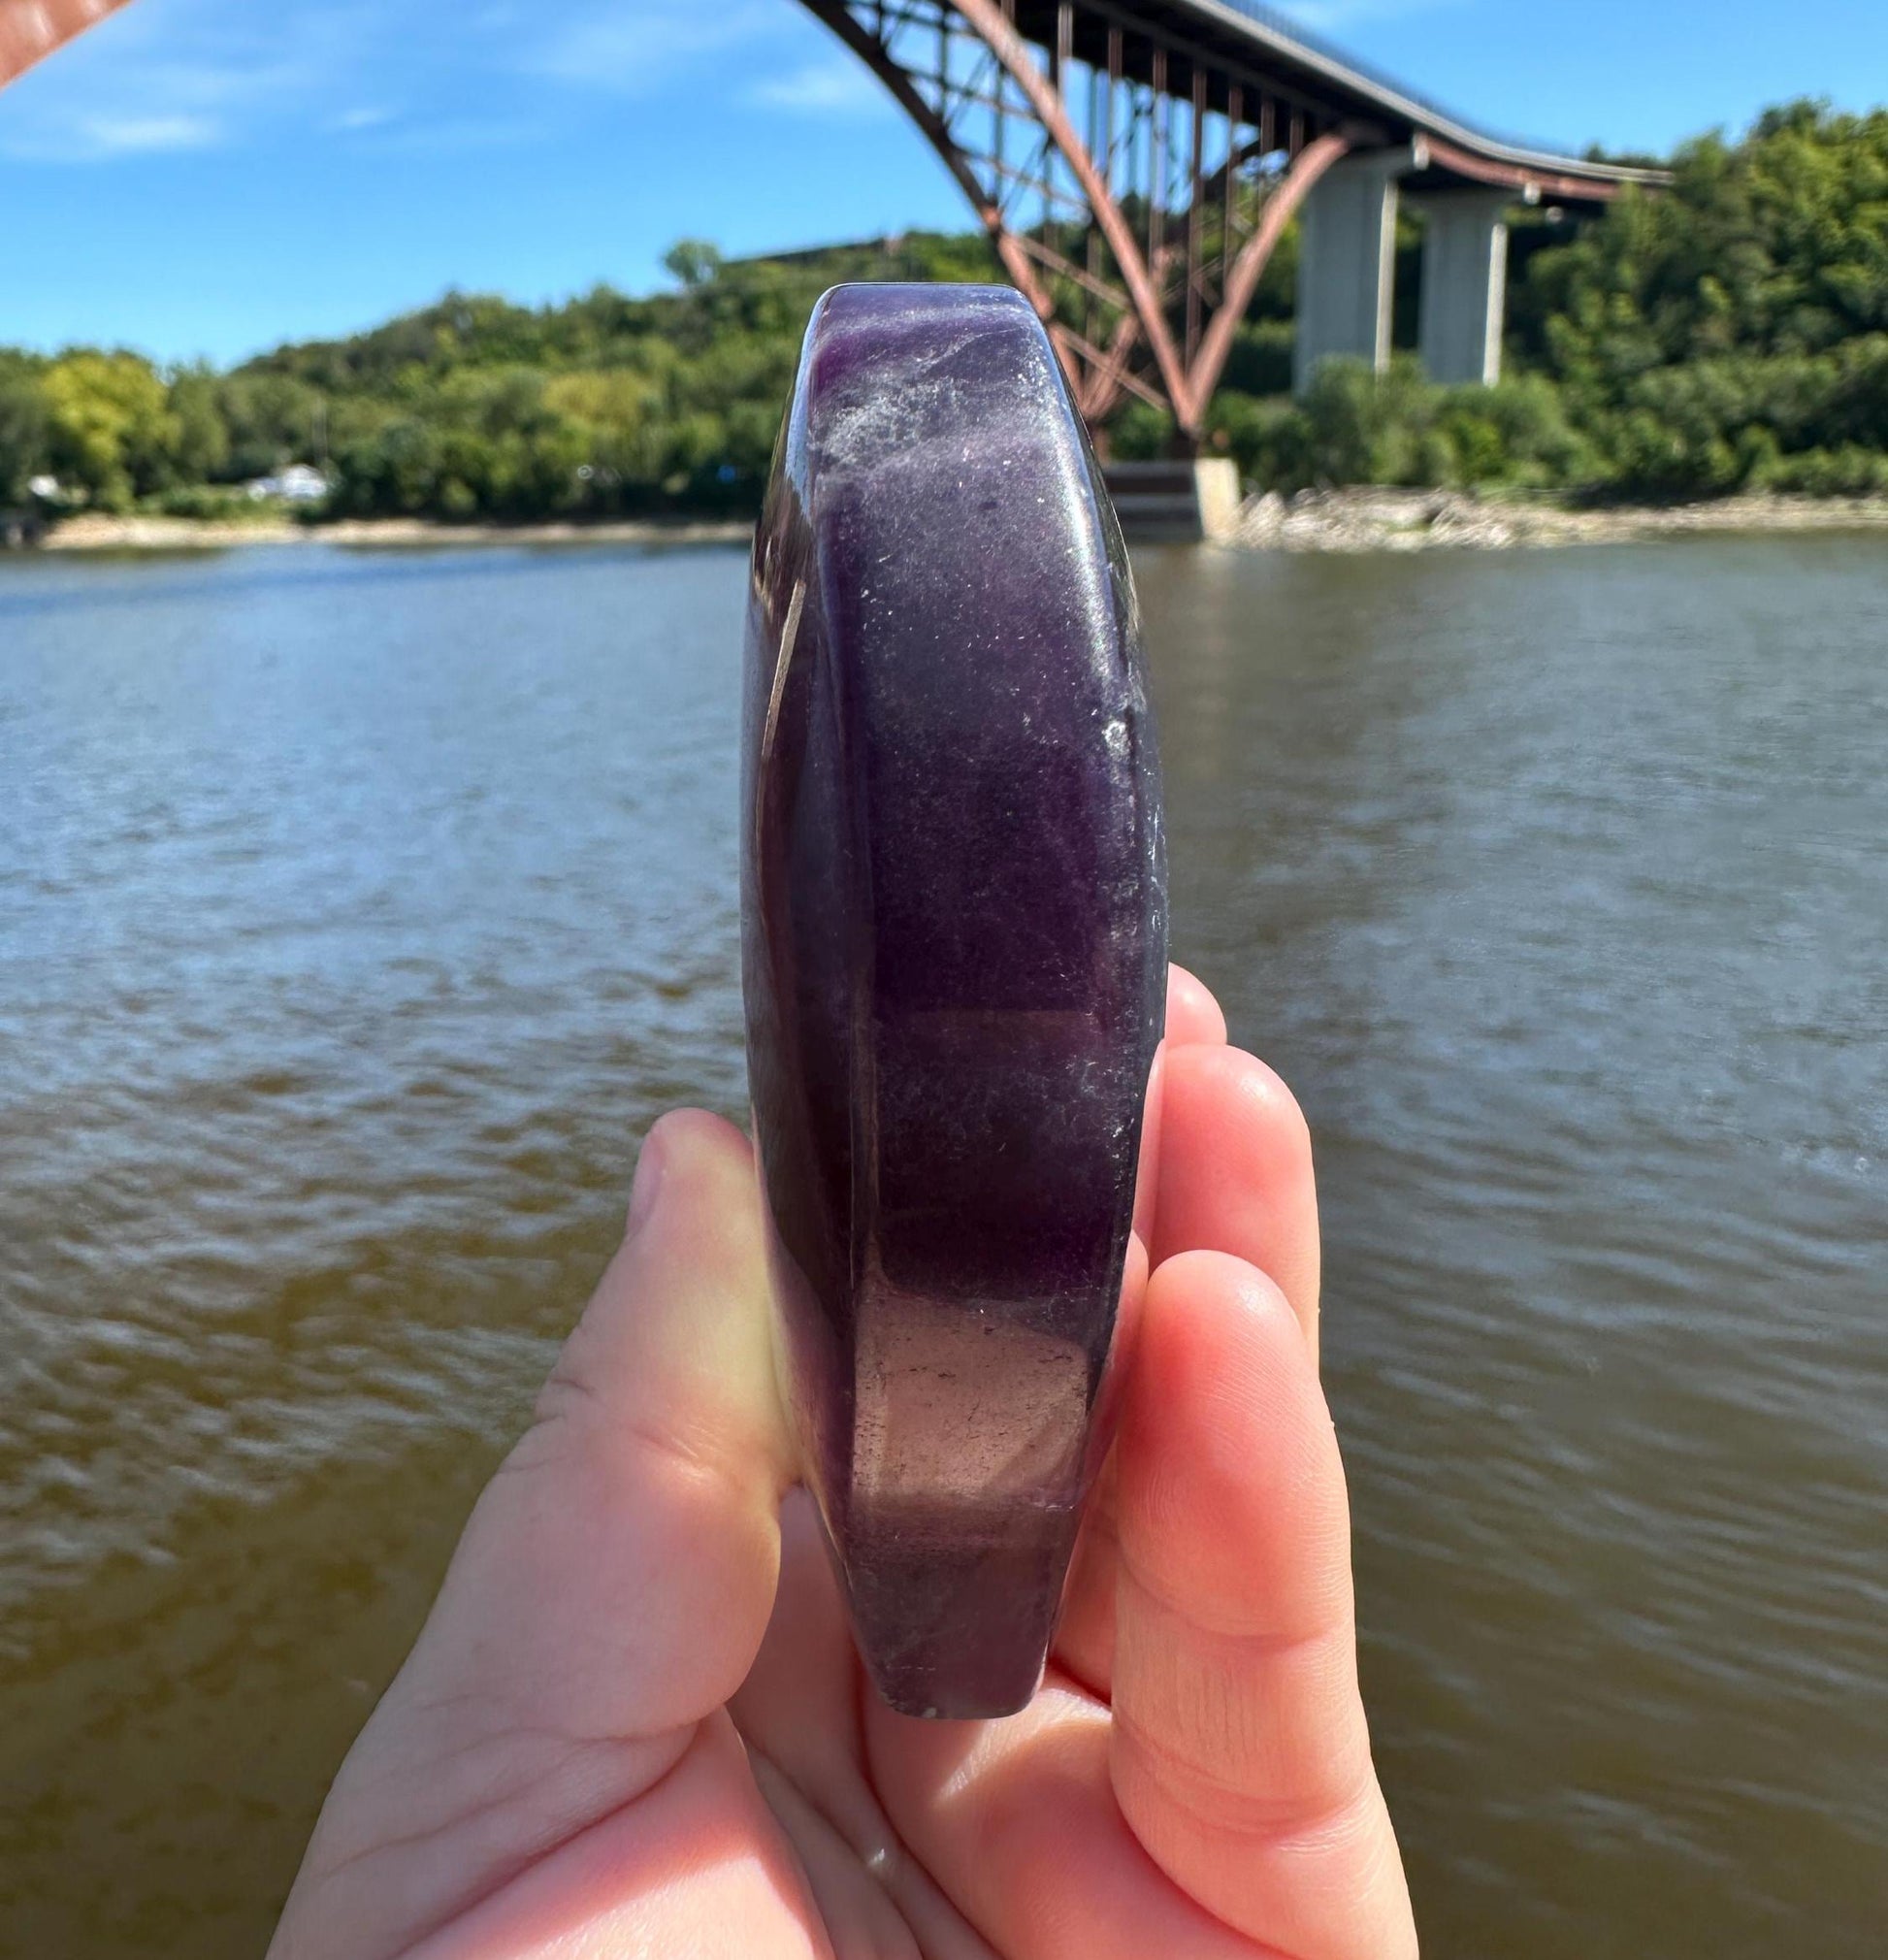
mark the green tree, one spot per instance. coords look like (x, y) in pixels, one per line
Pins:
(112, 432)
(1703, 337)
(201, 447)
(693, 261)
(271, 420)
(25, 428)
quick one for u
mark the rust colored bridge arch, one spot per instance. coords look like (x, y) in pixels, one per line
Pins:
(1134, 197)
(1135, 162)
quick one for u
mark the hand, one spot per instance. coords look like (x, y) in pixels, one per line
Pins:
(634, 1722)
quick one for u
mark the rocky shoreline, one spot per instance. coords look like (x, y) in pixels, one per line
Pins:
(1379, 519)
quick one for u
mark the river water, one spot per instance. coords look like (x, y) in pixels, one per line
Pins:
(358, 911)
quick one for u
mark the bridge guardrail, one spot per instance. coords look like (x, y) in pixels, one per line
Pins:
(1291, 30)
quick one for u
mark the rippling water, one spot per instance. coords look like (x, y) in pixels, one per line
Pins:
(357, 912)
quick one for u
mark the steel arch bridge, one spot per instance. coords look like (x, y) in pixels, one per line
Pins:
(1135, 163)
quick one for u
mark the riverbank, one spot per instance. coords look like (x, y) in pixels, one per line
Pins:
(1362, 518)
(95, 533)
(1370, 519)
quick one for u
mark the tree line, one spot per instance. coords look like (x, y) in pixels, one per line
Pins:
(1729, 334)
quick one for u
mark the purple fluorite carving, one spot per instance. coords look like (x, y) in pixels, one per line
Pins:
(955, 955)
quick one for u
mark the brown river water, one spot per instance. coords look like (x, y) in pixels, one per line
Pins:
(357, 912)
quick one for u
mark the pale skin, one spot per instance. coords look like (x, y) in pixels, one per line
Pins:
(634, 1722)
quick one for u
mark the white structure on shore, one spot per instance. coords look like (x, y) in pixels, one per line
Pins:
(298, 483)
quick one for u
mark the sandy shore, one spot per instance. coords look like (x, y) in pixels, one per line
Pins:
(1358, 519)
(1419, 520)
(184, 534)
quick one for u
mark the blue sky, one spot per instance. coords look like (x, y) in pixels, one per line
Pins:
(212, 177)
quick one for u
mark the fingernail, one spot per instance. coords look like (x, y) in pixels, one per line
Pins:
(648, 1182)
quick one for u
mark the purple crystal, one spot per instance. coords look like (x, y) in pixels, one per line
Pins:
(955, 955)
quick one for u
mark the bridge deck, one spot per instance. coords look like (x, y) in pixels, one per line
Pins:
(1223, 37)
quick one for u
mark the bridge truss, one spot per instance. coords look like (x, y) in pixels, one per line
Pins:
(1133, 187)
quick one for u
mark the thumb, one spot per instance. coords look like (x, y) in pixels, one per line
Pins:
(623, 1562)
(613, 1583)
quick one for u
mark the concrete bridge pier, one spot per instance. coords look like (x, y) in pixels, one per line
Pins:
(1464, 284)
(1346, 261)
(1347, 257)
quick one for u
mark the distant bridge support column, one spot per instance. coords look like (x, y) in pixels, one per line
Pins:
(1464, 284)
(1346, 259)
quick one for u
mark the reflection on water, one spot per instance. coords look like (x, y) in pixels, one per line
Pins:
(356, 913)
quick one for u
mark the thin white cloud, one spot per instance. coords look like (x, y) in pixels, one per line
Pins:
(105, 136)
(412, 75)
(185, 75)
(840, 86)
(367, 116)
(634, 46)
(454, 136)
